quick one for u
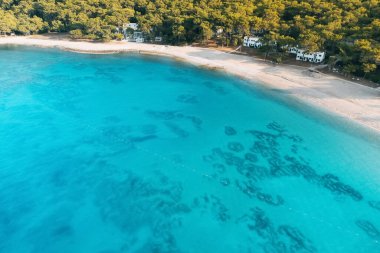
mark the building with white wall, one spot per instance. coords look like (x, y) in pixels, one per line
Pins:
(303, 55)
(131, 33)
(316, 57)
(292, 50)
(133, 26)
(252, 42)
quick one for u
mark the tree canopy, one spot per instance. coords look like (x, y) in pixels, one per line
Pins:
(349, 30)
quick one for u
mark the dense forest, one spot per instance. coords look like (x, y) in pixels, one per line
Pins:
(349, 30)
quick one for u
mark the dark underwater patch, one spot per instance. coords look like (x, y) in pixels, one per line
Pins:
(229, 131)
(368, 228)
(283, 238)
(214, 205)
(374, 204)
(264, 161)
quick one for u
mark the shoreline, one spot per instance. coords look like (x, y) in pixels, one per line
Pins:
(331, 94)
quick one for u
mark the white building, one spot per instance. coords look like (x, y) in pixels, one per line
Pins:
(133, 26)
(252, 42)
(126, 30)
(140, 40)
(316, 57)
(319, 56)
(303, 55)
(135, 37)
(293, 50)
(138, 37)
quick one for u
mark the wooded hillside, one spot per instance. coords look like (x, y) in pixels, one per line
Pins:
(349, 30)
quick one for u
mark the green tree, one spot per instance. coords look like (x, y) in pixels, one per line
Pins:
(8, 21)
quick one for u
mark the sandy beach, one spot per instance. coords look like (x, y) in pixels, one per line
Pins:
(347, 99)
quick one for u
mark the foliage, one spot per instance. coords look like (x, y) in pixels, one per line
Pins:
(349, 30)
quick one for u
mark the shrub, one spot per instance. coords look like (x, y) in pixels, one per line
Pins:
(76, 34)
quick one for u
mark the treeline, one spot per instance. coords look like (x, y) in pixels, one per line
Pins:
(349, 30)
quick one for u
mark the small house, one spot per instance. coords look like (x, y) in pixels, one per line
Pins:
(252, 42)
(137, 35)
(293, 50)
(140, 40)
(320, 56)
(303, 55)
(133, 26)
(128, 30)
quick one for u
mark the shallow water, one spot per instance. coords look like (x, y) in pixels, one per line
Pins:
(117, 153)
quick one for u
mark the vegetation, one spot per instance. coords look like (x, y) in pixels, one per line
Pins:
(349, 30)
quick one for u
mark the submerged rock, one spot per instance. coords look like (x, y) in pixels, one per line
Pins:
(142, 138)
(215, 87)
(276, 127)
(332, 183)
(229, 130)
(235, 146)
(253, 171)
(298, 240)
(284, 239)
(250, 157)
(267, 198)
(197, 122)
(175, 129)
(295, 138)
(374, 204)
(368, 228)
(214, 206)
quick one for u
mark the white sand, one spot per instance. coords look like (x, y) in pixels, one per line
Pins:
(347, 99)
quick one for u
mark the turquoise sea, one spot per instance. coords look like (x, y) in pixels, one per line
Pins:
(127, 153)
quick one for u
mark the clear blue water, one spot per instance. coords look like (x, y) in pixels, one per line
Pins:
(123, 153)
